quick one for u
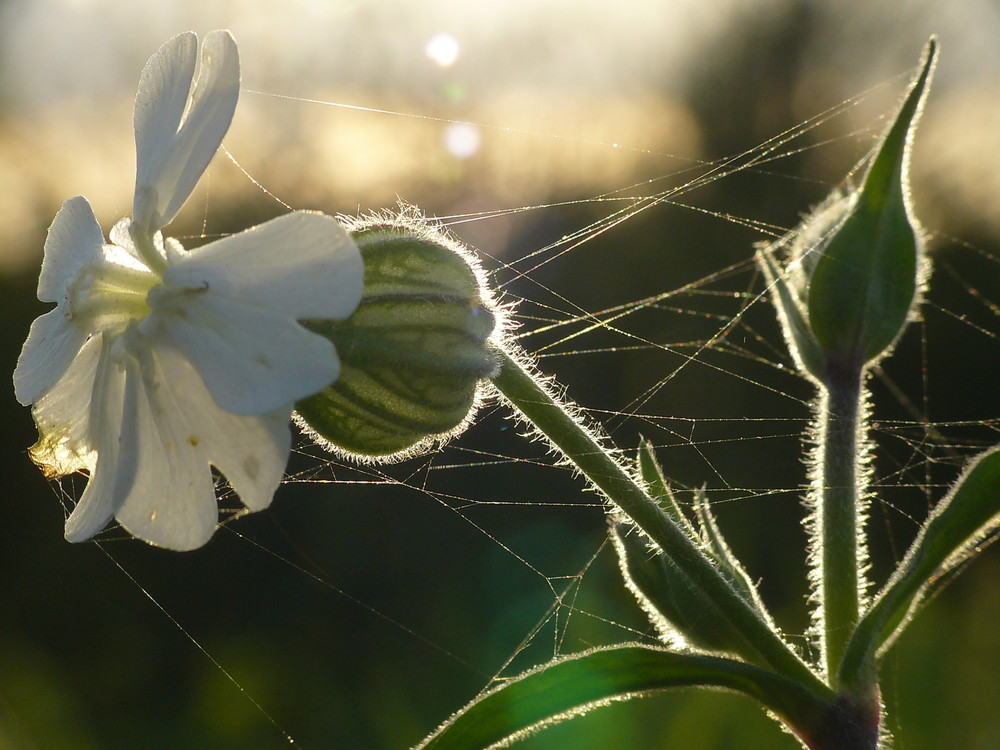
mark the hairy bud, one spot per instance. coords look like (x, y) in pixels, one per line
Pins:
(855, 267)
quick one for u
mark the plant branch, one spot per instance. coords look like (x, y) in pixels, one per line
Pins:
(585, 450)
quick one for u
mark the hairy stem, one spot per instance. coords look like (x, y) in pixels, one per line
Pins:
(585, 450)
(840, 496)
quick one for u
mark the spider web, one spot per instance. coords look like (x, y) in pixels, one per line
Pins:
(468, 564)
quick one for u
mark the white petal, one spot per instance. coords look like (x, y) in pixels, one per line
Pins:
(174, 433)
(51, 345)
(180, 121)
(164, 86)
(304, 264)
(104, 406)
(165, 494)
(250, 450)
(63, 416)
(252, 361)
(74, 239)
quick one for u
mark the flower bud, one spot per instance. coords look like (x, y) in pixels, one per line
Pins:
(414, 353)
(855, 267)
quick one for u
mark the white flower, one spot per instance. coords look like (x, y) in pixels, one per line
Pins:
(158, 363)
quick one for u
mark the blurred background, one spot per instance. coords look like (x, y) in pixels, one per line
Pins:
(366, 606)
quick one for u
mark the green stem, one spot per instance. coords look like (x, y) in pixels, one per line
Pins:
(524, 391)
(837, 530)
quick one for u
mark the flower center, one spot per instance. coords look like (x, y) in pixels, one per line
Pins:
(107, 296)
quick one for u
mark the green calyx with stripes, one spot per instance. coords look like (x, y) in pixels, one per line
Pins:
(414, 352)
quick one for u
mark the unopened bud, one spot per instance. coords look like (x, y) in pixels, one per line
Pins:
(855, 267)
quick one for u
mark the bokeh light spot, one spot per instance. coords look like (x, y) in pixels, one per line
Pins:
(461, 139)
(442, 49)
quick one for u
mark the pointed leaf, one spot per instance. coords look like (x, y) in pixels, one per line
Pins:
(659, 488)
(968, 514)
(730, 564)
(679, 611)
(572, 685)
(805, 351)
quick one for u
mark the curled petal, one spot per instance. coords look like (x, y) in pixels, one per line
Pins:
(303, 264)
(180, 121)
(51, 345)
(252, 360)
(170, 438)
(63, 415)
(74, 239)
(101, 423)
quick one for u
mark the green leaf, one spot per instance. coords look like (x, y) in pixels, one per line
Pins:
(674, 604)
(949, 537)
(572, 685)
(659, 489)
(731, 567)
(679, 611)
(805, 351)
(865, 281)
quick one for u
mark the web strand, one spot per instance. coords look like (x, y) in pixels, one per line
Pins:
(730, 344)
